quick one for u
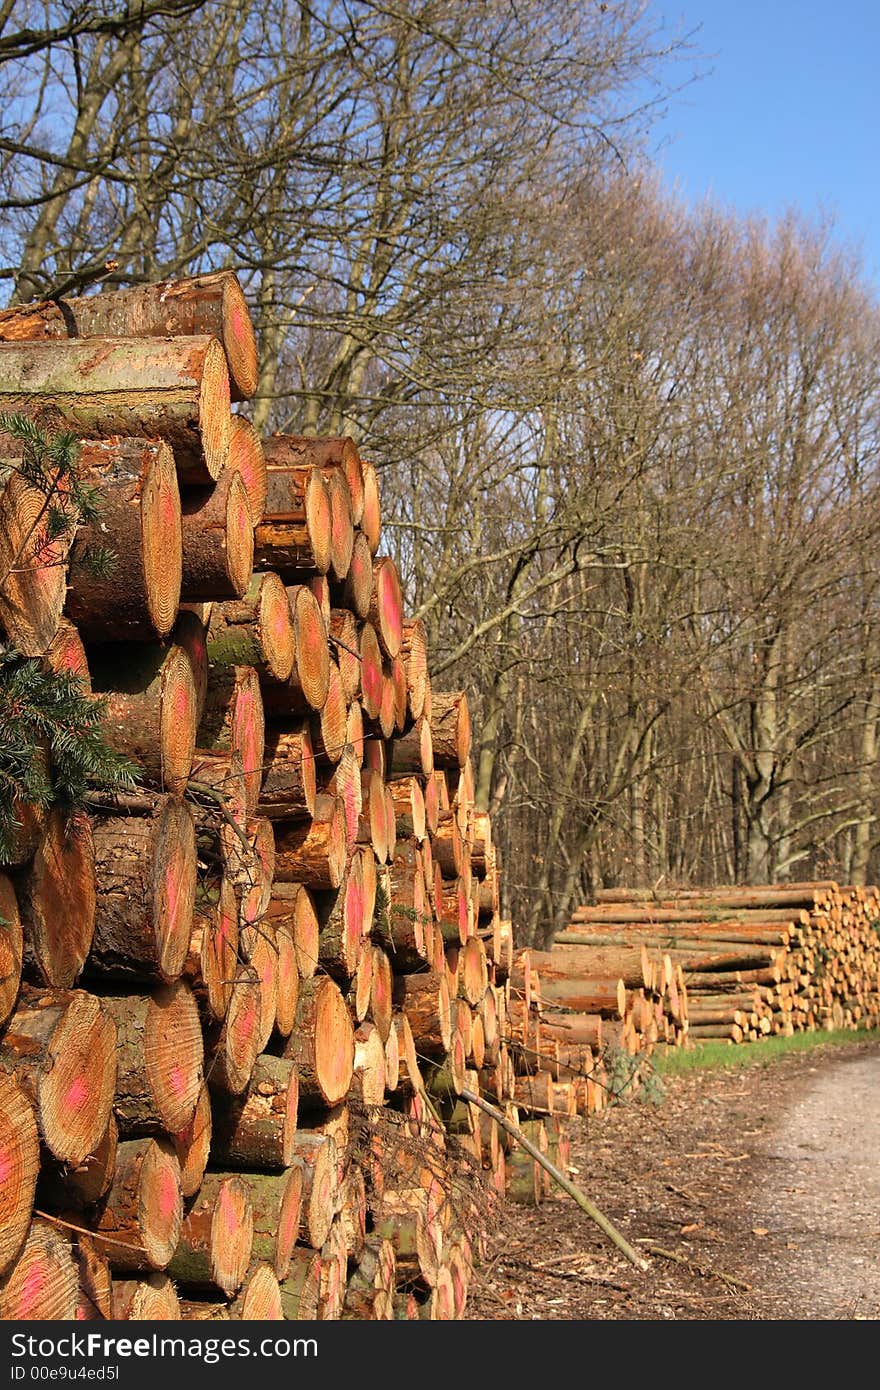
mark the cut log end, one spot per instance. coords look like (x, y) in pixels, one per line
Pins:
(341, 528)
(19, 1166)
(214, 411)
(173, 1054)
(76, 1092)
(386, 607)
(371, 520)
(246, 456)
(43, 1284)
(312, 665)
(161, 538)
(239, 340)
(59, 898)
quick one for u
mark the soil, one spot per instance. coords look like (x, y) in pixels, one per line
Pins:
(764, 1183)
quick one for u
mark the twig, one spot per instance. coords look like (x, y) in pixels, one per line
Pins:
(697, 1269)
(583, 1201)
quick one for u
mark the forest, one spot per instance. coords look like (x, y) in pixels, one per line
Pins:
(628, 447)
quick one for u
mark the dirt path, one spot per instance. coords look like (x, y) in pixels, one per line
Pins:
(766, 1182)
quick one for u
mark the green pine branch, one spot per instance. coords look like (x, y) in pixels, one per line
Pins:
(52, 746)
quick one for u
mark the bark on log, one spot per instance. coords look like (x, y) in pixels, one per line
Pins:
(450, 729)
(412, 752)
(217, 540)
(256, 1130)
(255, 631)
(137, 1225)
(313, 853)
(64, 1186)
(203, 304)
(425, 1001)
(152, 710)
(301, 1288)
(233, 720)
(216, 1236)
(276, 1200)
(140, 518)
(294, 536)
(161, 1057)
(146, 867)
(173, 389)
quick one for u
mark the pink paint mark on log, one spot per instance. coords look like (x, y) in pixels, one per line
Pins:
(247, 1021)
(168, 1195)
(33, 1290)
(280, 621)
(77, 1093)
(177, 1080)
(7, 1166)
(180, 703)
(237, 322)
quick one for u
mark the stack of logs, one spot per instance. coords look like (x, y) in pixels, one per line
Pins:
(747, 962)
(238, 1004)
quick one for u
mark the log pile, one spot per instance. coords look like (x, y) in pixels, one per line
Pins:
(238, 1005)
(773, 959)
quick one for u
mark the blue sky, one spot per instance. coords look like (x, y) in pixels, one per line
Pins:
(787, 112)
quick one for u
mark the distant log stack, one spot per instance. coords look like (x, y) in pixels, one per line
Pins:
(238, 1005)
(730, 963)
